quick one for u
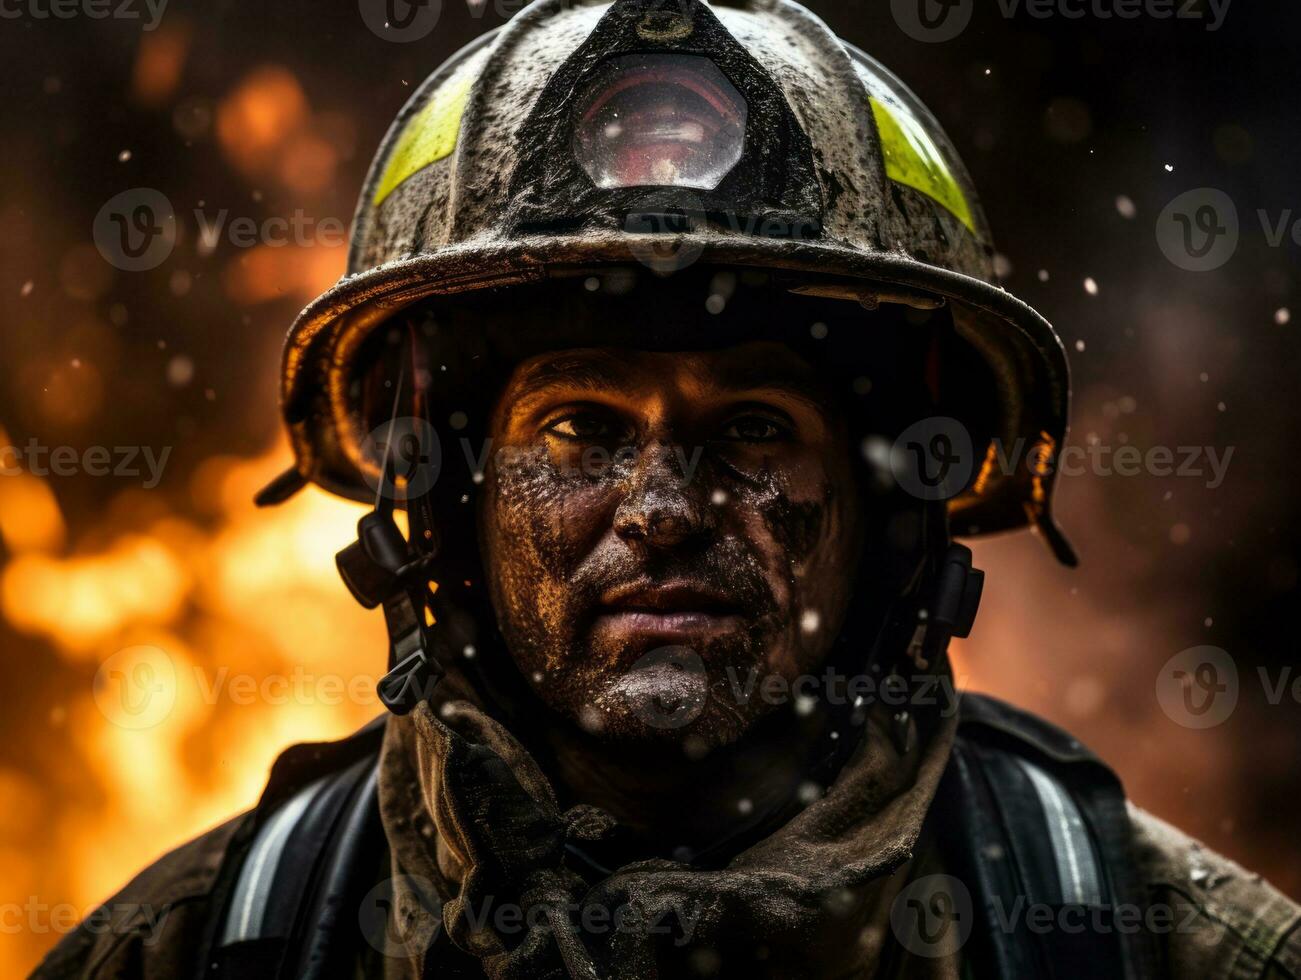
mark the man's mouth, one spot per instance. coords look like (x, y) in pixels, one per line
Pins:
(678, 611)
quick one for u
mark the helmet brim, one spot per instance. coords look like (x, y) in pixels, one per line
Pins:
(1024, 354)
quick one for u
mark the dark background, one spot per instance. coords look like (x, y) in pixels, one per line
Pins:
(263, 109)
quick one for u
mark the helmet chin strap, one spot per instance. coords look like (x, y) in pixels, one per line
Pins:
(915, 638)
(382, 568)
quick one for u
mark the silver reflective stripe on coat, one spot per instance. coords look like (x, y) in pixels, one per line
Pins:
(248, 907)
(1077, 869)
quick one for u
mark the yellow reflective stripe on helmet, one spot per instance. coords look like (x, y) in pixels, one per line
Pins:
(912, 158)
(431, 134)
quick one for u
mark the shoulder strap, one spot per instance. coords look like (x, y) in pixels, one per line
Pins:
(1036, 828)
(314, 851)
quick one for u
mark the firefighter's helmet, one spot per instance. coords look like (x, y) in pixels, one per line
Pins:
(589, 136)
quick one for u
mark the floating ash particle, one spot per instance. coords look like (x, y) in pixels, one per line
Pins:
(180, 371)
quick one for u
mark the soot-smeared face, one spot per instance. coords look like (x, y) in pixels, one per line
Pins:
(663, 531)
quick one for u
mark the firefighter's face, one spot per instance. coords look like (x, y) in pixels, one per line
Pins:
(664, 531)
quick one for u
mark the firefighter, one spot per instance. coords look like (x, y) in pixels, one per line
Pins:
(672, 331)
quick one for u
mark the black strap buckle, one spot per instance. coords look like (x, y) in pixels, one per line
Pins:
(958, 589)
(381, 568)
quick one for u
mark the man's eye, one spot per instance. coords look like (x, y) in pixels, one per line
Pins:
(753, 428)
(585, 427)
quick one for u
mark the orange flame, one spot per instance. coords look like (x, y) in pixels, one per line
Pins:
(246, 640)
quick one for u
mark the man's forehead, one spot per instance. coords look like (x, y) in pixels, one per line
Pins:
(743, 368)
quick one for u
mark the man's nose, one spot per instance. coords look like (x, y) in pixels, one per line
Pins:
(662, 509)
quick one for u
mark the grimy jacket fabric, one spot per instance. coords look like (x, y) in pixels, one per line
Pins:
(477, 844)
